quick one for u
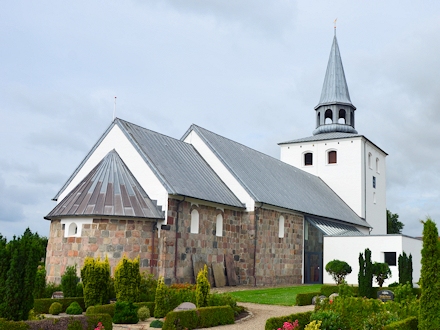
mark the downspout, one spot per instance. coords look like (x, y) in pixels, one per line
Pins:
(175, 242)
(255, 241)
(152, 253)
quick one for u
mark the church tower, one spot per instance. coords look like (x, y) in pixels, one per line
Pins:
(350, 164)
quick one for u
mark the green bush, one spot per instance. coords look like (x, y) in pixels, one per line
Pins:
(405, 267)
(346, 290)
(101, 309)
(213, 316)
(330, 320)
(149, 305)
(143, 313)
(125, 313)
(327, 289)
(56, 308)
(13, 325)
(51, 288)
(162, 299)
(203, 288)
(95, 276)
(156, 324)
(69, 282)
(105, 319)
(304, 299)
(74, 309)
(147, 287)
(79, 290)
(365, 276)
(409, 323)
(181, 320)
(338, 270)
(41, 306)
(277, 322)
(224, 299)
(127, 280)
(40, 283)
(382, 272)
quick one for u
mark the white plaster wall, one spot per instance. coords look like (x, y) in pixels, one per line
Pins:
(79, 223)
(218, 167)
(116, 139)
(345, 177)
(348, 248)
(375, 197)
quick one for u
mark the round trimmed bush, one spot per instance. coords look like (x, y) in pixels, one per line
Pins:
(125, 313)
(56, 308)
(143, 313)
(156, 324)
(90, 310)
(74, 309)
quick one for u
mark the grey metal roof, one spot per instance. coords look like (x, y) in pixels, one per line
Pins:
(178, 166)
(331, 136)
(332, 228)
(334, 89)
(271, 181)
(108, 190)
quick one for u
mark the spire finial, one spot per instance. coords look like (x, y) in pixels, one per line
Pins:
(334, 24)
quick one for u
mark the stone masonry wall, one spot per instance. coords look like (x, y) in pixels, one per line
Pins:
(104, 237)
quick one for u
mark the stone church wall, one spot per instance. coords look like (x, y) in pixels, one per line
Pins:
(104, 237)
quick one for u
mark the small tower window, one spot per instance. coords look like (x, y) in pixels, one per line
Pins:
(308, 159)
(219, 226)
(73, 229)
(328, 117)
(341, 119)
(318, 119)
(332, 157)
(369, 160)
(377, 165)
(281, 227)
(194, 222)
(374, 182)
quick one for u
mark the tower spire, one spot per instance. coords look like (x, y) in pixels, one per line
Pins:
(335, 112)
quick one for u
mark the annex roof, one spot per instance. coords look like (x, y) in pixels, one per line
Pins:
(109, 189)
(271, 181)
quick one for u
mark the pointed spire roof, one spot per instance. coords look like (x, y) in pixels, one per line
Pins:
(334, 89)
(110, 189)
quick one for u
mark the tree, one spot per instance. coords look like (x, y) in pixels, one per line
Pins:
(429, 314)
(365, 276)
(338, 270)
(95, 275)
(394, 226)
(69, 282)
(382, 272)
(405, 269)
(203, 288)
(127, 280)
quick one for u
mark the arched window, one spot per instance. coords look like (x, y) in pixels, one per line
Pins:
(332, 157)
(194, 222)
(281, 227)
(318, 119)
(341, 119)
(369, 160)
(73, 229)
(352, 119)
(377, 165)
(328, 117)
(219, 225)
(308, 159)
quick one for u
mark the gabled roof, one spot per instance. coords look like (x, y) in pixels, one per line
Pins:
(176, 164)
(330, 136)
(271, 181)
(334, 89)
(108, 190)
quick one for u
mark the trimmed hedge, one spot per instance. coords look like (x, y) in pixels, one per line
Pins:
(41, 306)
(303, 299)
(204, 317)
(328, 289)
(409, 323)
(102, 309)
(63, 323)
(277, 322)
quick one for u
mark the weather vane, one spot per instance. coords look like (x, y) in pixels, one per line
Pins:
(114, 110)
(334, 24)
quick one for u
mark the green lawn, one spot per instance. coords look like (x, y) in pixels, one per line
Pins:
(275, 296)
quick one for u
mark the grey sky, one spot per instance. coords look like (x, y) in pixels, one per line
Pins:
(249, 70)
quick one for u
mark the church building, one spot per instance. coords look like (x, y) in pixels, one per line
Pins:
(205, 199)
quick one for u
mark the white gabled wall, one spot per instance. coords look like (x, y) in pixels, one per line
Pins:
(338, 247)
(116, 139)
(194, 139)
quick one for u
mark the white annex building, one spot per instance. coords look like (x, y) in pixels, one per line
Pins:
(177, 203)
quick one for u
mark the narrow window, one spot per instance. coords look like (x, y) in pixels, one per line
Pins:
(341, 119)
(308, 159)
(306, 230)
(332, 158)
(73, 229)
(377, 165)
(318, 119)
(369, 160)
(219, 226)
(194, 222)
(390, 258)
(374, 198)
(374, 182)
(281, 227)
(328, 117)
